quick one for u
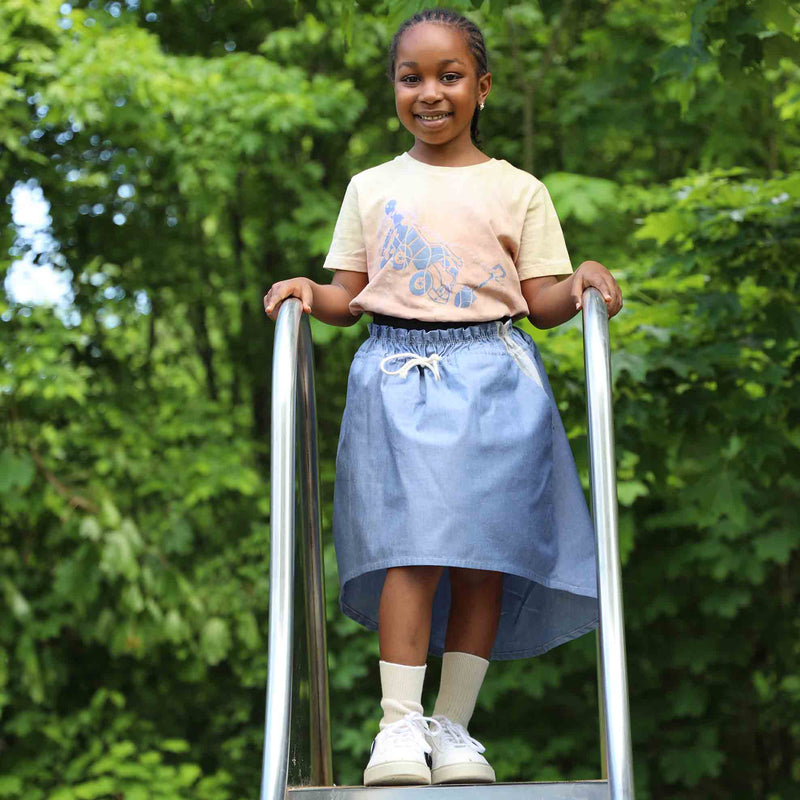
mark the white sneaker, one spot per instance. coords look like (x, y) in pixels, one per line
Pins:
(456, 756)
(401, 754)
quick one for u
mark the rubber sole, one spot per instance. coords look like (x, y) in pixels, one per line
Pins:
(397, 773)
(463, 773)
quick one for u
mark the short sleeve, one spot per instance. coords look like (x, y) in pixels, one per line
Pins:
(347, 250)
(542, 250)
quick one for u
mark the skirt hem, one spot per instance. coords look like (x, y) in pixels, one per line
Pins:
(505, 655)
(414, 561)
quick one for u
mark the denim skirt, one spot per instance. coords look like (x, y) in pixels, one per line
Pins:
(452, 452)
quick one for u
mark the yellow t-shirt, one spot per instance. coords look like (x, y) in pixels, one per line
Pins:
(446, 243)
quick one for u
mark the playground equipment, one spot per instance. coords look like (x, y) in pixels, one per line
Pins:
(297, 749)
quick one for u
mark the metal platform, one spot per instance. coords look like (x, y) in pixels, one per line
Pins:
(576, 790)
(297, 762)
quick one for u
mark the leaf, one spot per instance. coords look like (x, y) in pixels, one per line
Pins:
(16, 472)
(247, 628)
(585, 198)
(109, 514)
(93, 790)
(90, 529)
(175, 746)
(777, 545)
(628, 491)
(215, 640)
(118, 557)
(15, 600)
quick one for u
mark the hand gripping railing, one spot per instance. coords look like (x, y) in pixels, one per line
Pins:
(292, 360)
(616, 732)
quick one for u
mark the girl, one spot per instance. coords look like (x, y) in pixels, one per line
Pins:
(459, 522)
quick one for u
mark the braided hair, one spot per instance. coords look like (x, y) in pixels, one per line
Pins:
(472, 35)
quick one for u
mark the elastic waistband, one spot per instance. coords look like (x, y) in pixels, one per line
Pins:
(480, 331)
(426, 325)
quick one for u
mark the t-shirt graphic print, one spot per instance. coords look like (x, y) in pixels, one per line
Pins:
(433, 266)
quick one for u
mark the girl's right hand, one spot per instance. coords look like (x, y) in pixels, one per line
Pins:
(302, 288)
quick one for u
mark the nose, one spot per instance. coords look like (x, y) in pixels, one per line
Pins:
(430, 91)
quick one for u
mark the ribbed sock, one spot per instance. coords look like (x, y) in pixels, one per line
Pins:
(401, 686)
(462, 678)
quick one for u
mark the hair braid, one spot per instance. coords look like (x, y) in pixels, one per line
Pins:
(472, 34)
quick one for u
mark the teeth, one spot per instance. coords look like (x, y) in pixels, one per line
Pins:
(425, 116)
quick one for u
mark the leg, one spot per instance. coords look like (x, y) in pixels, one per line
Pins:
(476, 597)
(471, 630)
(404, 624)
(474, 611)
(404, 616)
(404, 628)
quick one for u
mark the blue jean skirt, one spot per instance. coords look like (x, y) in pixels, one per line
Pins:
(452, 452)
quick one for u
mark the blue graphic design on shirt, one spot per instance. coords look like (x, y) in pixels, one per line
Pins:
(435, 266)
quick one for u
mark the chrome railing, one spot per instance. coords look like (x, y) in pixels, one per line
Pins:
(616, 729)
(310, 761)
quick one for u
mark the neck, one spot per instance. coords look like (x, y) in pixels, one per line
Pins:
(448, 155)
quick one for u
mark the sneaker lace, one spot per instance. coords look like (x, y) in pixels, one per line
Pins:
(413, 724)
(455, 734)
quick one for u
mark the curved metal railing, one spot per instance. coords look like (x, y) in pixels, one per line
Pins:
(293, 369)
(611, 664)
(311, 761)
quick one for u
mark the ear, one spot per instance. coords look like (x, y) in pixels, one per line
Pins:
(484, 86)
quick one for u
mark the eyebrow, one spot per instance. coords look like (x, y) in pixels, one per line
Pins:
(441, 62)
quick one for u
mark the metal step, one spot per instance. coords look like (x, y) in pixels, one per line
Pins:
(569, 790)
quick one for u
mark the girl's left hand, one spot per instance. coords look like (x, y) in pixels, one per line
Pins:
(593, 273)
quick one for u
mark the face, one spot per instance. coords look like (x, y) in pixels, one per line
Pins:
(436, 85)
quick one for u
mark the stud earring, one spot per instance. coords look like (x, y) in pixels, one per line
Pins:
(481, 106)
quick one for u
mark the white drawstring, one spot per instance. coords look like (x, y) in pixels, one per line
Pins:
(414, 359)
(524, 361)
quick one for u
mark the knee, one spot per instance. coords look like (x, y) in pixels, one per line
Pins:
(421, 578)
(469, 581)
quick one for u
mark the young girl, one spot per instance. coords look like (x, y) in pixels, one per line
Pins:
(459, 522)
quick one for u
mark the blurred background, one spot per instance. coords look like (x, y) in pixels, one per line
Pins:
(163, 163)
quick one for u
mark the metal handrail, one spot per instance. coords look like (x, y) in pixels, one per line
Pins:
(293, 365)
(292, 360)
(611, 665)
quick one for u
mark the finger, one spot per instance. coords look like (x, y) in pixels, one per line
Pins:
(275, 300)
(606, 286)
(576, 291)
(271, 295)
(306, 296)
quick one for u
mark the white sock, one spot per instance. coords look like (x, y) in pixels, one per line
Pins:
(401, 686)
(462, 678)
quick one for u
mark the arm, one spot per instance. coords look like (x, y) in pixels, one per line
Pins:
(551, 301)
(328, 303)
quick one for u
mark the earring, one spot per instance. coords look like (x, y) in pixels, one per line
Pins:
(481, 106)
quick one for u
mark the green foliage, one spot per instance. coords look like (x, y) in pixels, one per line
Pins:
(188, 175)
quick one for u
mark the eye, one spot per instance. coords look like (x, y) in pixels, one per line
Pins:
(450, 77)
(409, 79)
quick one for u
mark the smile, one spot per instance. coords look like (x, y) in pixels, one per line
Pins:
(432, 117)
